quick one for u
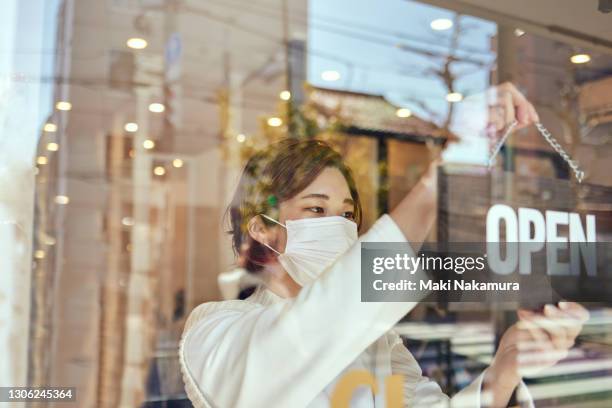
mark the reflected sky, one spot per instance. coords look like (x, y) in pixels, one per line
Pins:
(388, 48)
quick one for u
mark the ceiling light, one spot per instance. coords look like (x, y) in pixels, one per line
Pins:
(157, 107)
(63, 106)
(148, 144)
(518, 32)
(52, 147)
(440, 24)
(159, 170)
(580, 58)
(178, 163)
(127, 221)
(131, 127)
(285, 95)
(241, 137)
(274, 121)
(41, 160)
(330, 75)
(39, 254)
(454, 97)
(403, 113)
(137, 43)
(62, 199)
(50, 127)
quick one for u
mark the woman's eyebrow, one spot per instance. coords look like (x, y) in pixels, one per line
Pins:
(316, 195)
(326, 197)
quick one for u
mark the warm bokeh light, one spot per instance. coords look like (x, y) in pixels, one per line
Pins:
(274, 121)
(454, 97)
(159, 170)
(131, 127)
(39, 254)
(62, 199)
(403, 113)
(52, 147)
(330, 75)
(41, 160)
(63, 106)
(148, 144)
(580, 58)
(178, 163)
(157, 107)
(440, 24)
(518, 32)
(127, 221)
(50, 127)
(137, 43)
(240, 138)
(285, 95)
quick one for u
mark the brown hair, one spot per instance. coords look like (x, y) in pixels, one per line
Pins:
(272, 176)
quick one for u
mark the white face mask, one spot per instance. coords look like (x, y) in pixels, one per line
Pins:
(313, 244)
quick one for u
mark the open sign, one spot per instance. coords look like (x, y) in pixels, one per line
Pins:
(532, 230)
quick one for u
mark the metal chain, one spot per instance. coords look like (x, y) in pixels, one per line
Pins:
(501, 142)
(559, 149)
(551, 141)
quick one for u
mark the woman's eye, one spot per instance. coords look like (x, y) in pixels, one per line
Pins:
(316, 210)
(349, 214)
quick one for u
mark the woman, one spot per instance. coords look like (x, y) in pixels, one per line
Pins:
(295, 218)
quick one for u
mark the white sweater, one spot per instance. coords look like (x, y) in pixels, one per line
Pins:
(268, 351)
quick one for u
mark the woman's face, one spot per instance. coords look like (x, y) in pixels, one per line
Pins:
(327, 195)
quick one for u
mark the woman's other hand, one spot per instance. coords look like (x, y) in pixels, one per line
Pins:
(536, 342)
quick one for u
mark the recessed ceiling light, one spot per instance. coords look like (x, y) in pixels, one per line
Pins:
(580, 58)
(159, 170)
(131, 127)
(52, 147)
(157, 107)
(137, 43)
(178, 163)
(403, 113)
(63, 106)
(454, 97)
(274, 121)
(62, 199)
(441, 24)
(330, 75)
(50, 127)
(148, 144)
(285, 95)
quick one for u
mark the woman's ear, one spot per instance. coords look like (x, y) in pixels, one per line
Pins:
(257, 230)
